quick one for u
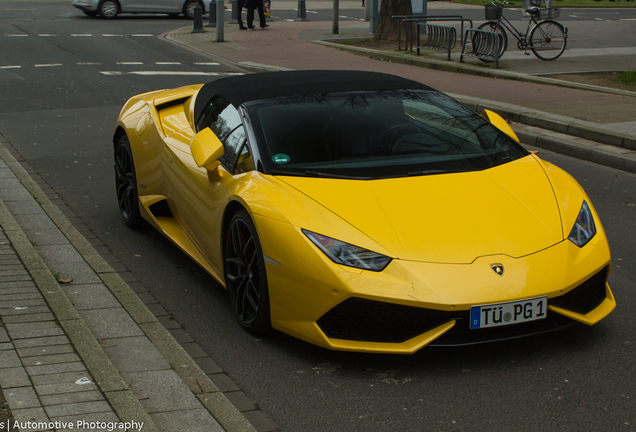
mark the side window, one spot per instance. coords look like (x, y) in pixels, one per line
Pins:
(224, 120)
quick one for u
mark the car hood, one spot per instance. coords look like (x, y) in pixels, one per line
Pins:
(447, 218)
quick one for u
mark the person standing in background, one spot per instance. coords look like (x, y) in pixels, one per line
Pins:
(240, 5)
(251, 5)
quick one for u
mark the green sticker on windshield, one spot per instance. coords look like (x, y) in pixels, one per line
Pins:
(280, 158)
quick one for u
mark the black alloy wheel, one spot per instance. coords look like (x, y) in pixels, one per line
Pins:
(245, 275)
(126, 184)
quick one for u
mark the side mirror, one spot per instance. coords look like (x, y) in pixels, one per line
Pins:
(206, 149)
(498, 122)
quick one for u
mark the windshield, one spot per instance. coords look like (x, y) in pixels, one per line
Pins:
(376, 135)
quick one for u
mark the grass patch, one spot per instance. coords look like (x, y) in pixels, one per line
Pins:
(564, 3)
(628, 77)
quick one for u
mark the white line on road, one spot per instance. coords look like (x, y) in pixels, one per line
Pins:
(598, 19)
(290, 20)
(48, 65)
(168, 63)
(81, 34)
(627, 19)
(574, 16)
(10, 67)
(130, 63)
(206, 64)
(112, 35)
(141, 35)
(88, 63)
(47, 35)
(15, 35)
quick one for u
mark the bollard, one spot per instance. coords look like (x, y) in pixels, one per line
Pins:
(302, 11)
(220, 15)
(212, 14)
(235, 12)
(198, 19)
(336, 13)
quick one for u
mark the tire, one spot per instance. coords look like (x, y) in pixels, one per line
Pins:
(109, 9)
(188, 8)
(126, 184)
(548, 40)
(491, 26)
(91, 13)
(245, 275)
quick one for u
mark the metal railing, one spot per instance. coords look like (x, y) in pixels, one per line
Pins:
(438, 38)
(485, 45)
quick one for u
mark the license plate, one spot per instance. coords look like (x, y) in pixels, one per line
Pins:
(500, 314)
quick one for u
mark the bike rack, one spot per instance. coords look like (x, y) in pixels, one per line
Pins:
(419, 18)
(485, 45)
(439, 38)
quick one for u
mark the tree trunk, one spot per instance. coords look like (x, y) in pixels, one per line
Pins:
(388, 27)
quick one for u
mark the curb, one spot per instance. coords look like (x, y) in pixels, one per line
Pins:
(468, 69)
(117, 392)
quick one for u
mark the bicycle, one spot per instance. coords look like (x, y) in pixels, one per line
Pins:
(547, 38)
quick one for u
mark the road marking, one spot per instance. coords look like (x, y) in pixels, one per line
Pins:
(168, 63)
(112, 35)
(47, 35)
(142, 35)
(88, 63)
(15, 35)
(81, 34)
(206, 64)
(314, 12)
(598, 19)
(573, 16)
(10, 67)
(169, 73)
(130, 63)
(627, 19)
(290, 20)
(48, 65)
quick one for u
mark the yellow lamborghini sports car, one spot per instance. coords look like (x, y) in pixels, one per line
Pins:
(361, 211)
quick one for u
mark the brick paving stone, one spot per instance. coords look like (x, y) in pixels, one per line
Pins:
(21, 397)
(77, 408)
(50, 359)
(157, 310)
(32, 415)
(6, 267)
(62, 378)
(223, 382)
(198, 420)
(61, 388)
(134, 354)
(40, 220)
(23, 310)
(4, 337)
(20, 290)
(41, 342)
(181, 336)
(14, 319)
(16, 194)
(260, 421)
(16, 278)
(55, 368)
(9, 359)
(22, 284)
(160, 391)
(39, 351)
(93, 296)
(147, 298)
(194, 350)
(240, 401)
(110, 323)
(70, 398)
(26, 296)
(208, 366)
(34, 330)
(23, 303)
(26, 207)
(169, 323)
(45, 236)
(88, 418)
(14, 377)
(6, 346)
(9, 183)
(10, 274)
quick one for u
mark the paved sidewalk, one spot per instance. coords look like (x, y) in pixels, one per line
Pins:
(88, 352)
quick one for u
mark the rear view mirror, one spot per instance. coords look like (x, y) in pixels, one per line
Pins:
(498, 122)
(206, 149)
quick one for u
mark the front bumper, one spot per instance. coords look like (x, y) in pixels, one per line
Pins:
(412, 304)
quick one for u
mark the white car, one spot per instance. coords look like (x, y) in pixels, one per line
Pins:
(109, 9)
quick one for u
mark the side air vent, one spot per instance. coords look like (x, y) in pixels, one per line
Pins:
(160, 209)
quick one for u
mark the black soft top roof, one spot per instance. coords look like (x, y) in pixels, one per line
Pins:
(244, 88)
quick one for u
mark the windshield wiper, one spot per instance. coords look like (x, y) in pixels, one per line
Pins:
(336, 176)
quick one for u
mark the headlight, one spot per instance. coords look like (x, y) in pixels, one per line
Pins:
(348, 255)
(584, 228)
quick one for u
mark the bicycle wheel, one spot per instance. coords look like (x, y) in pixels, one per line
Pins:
(548, 40)
(492, 26)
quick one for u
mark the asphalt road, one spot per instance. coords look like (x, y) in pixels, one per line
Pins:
(61, 119)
